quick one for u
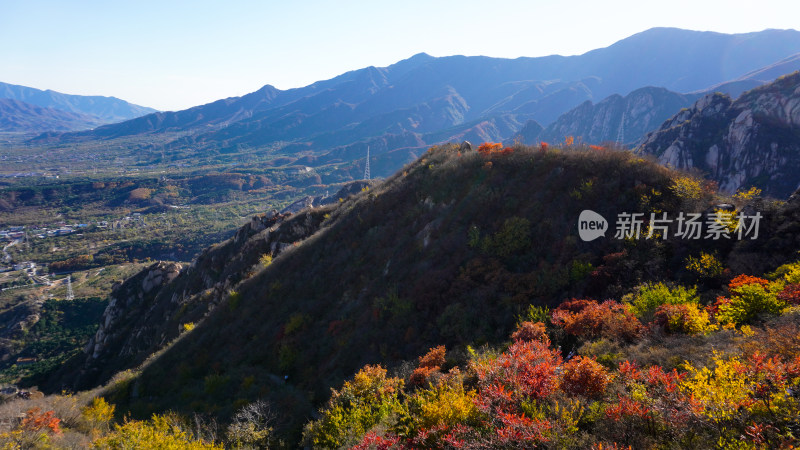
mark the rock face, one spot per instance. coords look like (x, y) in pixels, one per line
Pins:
(150, 309)
(354, 187)
(615, 119)
(752, 141)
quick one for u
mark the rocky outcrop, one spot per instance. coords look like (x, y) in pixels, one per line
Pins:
(348, 189)
(752, 141)
(615, 119)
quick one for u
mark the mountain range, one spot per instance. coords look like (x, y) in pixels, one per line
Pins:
(423, 100)
(34, 110)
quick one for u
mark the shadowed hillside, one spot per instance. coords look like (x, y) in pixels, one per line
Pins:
(448, 251)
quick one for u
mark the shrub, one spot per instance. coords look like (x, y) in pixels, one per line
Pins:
(163, 432)
(790, 294)
(251, 426)
(706, 266)
(529, 331)
(434, 358)
(648, 297)
(351, 411)
(98, 415)
(446, 404)
(686, 188)
(750, 296)
(589, 319)
(688, 318)
(584, 376)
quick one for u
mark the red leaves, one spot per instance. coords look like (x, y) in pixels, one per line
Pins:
(790, 294)
(627, 408)
(591, 320)
(374, 441)
(527, 370)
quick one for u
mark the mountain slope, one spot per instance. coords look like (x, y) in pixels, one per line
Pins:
(752, 141)
(448, 251)
(17, 116)
(106, 109)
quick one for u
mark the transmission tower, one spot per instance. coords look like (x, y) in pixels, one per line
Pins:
(621, 132)
(366, 166)
(70, 294)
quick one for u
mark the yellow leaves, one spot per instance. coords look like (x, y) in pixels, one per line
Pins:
(188, 326)
(749, 194)
(686, 188)
(160, 432)
(266, 258)
(98, 414)
(706, 266)
(446, 404)
(721, 391)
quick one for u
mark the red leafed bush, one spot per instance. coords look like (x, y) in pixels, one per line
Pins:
(526, 370)
(584, 376)
(373, 441)
(790, 294)
(592, 320)
(529, 331)
(627, 408)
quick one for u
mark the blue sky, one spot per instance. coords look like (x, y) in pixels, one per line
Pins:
(176, 54)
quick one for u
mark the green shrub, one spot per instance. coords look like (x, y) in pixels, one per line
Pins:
(648, 297)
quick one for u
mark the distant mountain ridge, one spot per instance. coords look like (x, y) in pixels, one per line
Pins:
(624, 120)
(424, 100)
(17, 116)
(751, 141)
(106, 109)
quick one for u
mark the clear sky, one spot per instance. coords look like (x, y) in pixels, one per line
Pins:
(175, 54)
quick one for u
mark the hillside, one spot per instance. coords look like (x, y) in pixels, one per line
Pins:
(402, 109)
(448, 251)
(750, 141)
(103, 109)
(17, 116)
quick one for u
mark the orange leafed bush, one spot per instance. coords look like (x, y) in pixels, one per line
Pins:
(584, 376)
(434, 357)
(743, 279)
(488, 148)
(529, 331)
(420, 375)
(544, 145)
(36, 420)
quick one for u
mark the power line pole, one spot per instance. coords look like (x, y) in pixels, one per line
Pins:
(621, 131)
(366, 166)
(70, 294)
